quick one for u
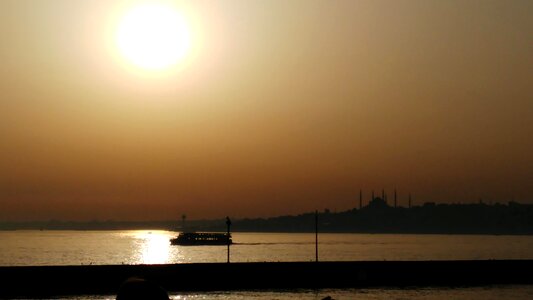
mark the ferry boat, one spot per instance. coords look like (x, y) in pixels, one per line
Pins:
(202, 239)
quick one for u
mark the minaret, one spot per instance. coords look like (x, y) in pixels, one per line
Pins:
(395, 199)
(360, 199)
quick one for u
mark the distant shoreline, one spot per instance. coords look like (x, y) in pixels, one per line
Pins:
(377, 217)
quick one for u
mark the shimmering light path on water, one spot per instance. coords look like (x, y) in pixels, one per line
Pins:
(152, 247)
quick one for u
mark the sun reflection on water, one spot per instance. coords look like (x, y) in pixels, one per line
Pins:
(155, 247)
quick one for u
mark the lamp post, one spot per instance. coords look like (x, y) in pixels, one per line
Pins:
(316, 236)
(228, 224)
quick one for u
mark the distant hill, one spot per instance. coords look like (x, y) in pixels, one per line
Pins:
(379, 217)
(376, 217)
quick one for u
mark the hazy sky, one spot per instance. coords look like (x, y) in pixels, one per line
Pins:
(279, 107)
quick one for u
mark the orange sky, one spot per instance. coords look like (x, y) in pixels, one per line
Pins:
(280, 107)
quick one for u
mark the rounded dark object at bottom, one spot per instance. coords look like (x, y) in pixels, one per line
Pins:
(137, 288)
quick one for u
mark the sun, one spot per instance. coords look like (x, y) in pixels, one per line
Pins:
(153, 36)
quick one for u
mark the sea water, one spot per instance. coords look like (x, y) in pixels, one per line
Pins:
(25, 248)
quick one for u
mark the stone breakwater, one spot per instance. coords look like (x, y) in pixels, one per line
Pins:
(45, 281)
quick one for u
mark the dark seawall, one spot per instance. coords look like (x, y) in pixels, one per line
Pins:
(46, 281)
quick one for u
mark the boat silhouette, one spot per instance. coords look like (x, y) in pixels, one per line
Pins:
(202, 239)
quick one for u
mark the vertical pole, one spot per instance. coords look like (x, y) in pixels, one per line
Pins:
(360, 199)
(395, 199)
(372, 196)
(228, 223)
(316, 236)
(409, 200)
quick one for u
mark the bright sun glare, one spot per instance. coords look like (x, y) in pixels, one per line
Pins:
(153, 36)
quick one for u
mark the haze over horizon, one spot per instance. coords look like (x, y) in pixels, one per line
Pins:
(279, 107)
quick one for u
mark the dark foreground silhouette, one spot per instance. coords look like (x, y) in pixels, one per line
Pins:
(50, 281)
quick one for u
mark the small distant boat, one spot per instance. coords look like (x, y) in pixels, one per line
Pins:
(202, 239)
